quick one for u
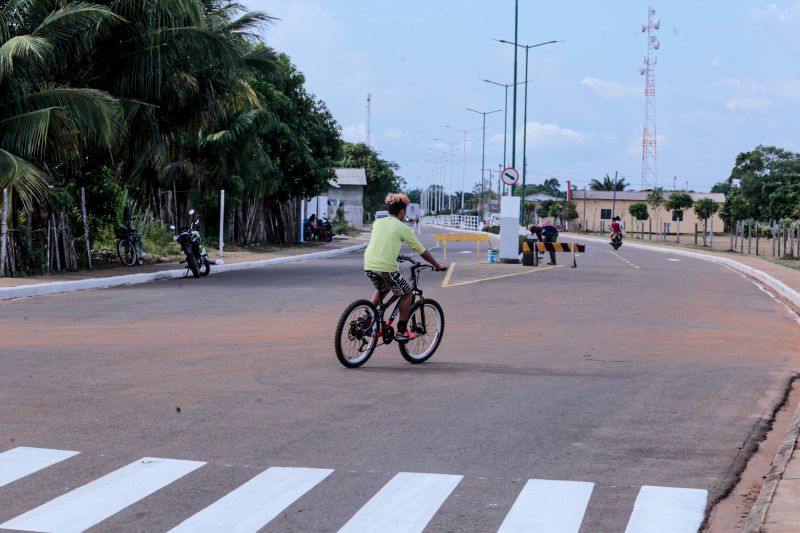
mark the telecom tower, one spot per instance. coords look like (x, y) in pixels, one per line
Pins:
(648, 70)
(369, 112)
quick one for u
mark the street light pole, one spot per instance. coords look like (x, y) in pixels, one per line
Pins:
(525, 119)
(450, 192)
(483, 153)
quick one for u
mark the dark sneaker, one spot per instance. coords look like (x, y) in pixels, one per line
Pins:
(551, 263)
(404, 336)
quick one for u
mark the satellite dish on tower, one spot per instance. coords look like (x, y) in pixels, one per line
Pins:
(643, 28)
(641, 70)
(657, 44)
(657, 24)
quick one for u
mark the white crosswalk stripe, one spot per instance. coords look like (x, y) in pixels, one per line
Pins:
(23, 461)
(547, 506)
(251, 506)
(404, 505)
(667, 510)
(92, 503)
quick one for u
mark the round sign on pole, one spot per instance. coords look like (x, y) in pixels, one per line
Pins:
(510, 176)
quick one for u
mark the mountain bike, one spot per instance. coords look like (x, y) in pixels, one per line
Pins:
(129, 247)
(362, 325)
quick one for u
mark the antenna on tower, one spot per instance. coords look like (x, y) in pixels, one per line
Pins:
(648, 70)
(369, 113)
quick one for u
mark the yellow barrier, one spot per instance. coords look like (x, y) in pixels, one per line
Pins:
(477, 237)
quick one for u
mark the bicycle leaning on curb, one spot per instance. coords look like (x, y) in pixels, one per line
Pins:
(362, 326)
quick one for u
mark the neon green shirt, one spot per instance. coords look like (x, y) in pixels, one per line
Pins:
(388, 236)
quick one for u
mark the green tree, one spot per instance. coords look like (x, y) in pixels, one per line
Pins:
(608, 184)
(769, 178)
(550, 186)
(655, 199)
(678, 202)
(639, 212)
(45, 122)
(705, 209)
(382, 177)
(735, 209)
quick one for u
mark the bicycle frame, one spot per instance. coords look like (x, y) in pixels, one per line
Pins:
(416, 296)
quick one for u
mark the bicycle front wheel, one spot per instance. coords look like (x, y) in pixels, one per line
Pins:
(126, 252)
(426, 321)
(356, 333)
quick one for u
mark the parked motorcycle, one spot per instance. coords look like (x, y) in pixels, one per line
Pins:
(616, 240)
(196, 256)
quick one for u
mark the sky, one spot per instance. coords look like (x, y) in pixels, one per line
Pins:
(727, 80)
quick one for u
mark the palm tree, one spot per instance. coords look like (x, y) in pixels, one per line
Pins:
(45, 125)
(608, 184)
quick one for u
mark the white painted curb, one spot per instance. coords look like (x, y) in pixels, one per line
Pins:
(775, 284)
(59, 287)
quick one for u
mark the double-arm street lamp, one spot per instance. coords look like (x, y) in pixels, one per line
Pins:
(483, 152)
(527, 48)
(463, 164)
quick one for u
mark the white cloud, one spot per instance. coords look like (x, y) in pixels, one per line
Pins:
(356, 133)
(610, 89)
(749, 104)
(550, 136)
(780, 23)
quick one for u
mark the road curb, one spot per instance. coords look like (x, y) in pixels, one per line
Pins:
(758, 512)
(772, 282)
(60, 287)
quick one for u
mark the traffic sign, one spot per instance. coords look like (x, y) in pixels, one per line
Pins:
(510, 176)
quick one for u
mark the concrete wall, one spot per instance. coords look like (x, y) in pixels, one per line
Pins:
(591, 217)
(353, 198)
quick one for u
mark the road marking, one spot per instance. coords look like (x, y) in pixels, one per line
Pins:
(673, 259)
(254, 504)
(446, 280)
(547, 506)
(404, 505)
(667, 510)
(615, 254)
(23, 461)
(92, 503)
(446, 283)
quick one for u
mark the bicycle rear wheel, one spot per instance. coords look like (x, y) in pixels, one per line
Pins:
(126, 252)
(356, 337)
(426, 321)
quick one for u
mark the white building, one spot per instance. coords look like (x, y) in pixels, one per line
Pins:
(347, 189)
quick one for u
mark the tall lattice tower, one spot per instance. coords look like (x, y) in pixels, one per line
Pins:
(648, 70)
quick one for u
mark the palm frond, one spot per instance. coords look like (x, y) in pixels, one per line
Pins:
(76, 26)
(26, 134)
(26, 180)
(97, 115)
(30, 47)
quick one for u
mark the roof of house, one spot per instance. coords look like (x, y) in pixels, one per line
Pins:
(351, 176)
(542, 198)
(641, 196)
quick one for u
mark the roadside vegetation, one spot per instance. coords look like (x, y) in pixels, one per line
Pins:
(157, 104)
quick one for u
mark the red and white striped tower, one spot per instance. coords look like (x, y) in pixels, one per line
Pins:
(648, 70)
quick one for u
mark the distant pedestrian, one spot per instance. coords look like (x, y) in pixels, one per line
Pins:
(340, 212)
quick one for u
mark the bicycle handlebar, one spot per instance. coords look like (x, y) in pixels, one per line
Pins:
(416, 265)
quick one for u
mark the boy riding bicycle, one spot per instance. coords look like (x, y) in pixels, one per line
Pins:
(380, 259)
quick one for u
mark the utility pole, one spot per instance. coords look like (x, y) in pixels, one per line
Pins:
(648, 70)
(514, 113)
(614, 201)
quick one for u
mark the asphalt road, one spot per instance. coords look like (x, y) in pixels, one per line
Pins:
(636, 369)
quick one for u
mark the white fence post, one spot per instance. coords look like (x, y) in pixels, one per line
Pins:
(222, 223)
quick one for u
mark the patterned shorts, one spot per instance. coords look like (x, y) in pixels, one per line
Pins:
(386, 281)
